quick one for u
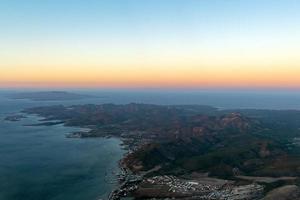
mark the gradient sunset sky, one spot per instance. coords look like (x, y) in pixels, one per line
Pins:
(150, 43)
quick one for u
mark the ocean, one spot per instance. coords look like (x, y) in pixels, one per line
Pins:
(39, 162)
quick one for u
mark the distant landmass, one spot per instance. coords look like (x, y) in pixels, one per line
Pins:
(49, 96)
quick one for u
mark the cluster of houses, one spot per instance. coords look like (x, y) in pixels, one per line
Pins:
(181, 185)
(206, 191)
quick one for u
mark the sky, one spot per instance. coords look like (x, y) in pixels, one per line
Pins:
(150, 43)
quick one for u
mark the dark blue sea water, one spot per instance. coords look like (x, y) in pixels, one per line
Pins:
(40, 163)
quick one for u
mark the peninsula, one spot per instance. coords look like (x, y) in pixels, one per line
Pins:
(49, 96)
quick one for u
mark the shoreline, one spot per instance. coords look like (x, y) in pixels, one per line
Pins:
(133, 133)
(123, 176)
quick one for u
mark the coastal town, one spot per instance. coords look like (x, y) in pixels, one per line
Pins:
(166, 187)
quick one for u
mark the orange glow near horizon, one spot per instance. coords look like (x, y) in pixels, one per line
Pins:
(231, 68)
(134, 77)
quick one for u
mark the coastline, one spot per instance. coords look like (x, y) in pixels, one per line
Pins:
(124, 177)
(176, 186)
(127, 182)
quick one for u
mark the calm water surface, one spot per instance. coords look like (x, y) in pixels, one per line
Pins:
(41, 163)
